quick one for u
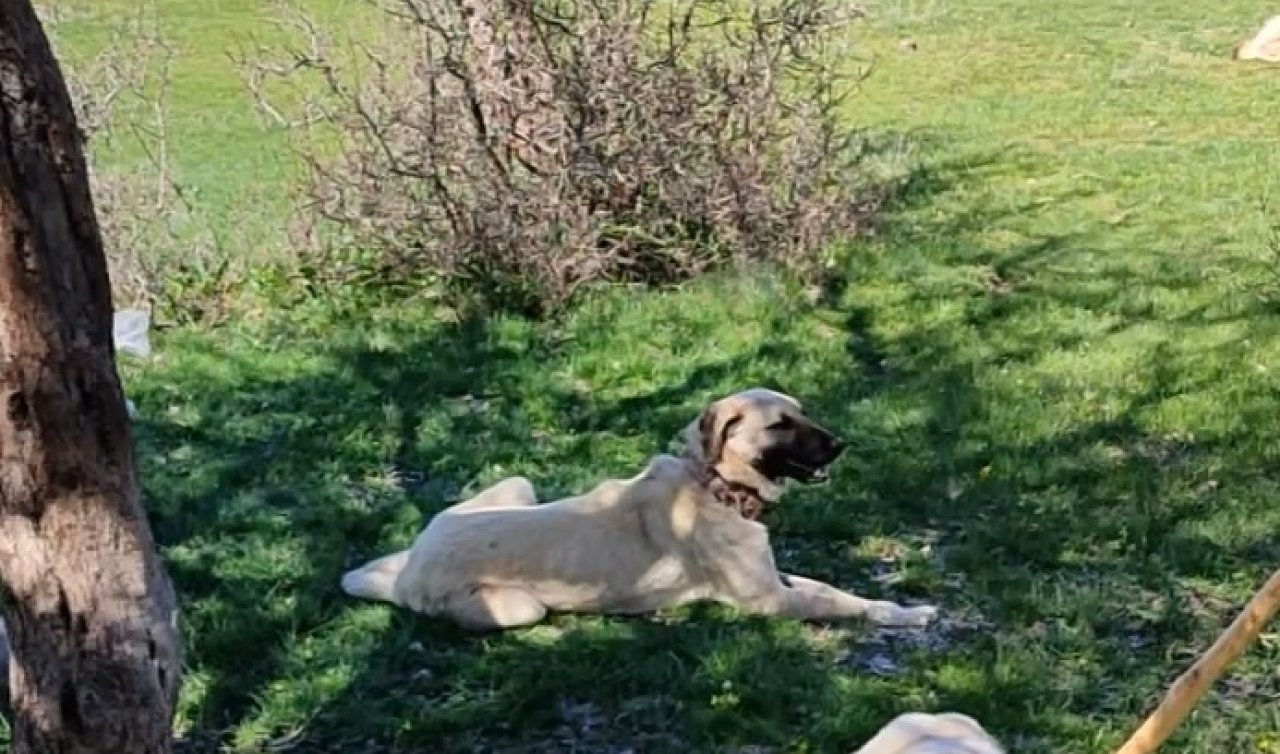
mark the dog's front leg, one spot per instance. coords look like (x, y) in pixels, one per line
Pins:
(814, 600)
(750, 580)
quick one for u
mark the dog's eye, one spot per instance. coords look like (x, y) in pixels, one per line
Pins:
(783, 423)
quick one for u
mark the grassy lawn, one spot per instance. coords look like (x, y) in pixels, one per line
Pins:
(1055, 361)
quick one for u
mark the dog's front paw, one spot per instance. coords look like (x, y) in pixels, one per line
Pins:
(919, 616)
(891, 614)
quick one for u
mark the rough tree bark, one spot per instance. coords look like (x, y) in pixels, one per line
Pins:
(89, 609)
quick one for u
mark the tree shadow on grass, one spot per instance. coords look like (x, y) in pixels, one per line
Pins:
(250, 492)
(1088, 518)
(253, 497)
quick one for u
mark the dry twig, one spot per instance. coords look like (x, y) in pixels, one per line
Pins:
(1192, 685)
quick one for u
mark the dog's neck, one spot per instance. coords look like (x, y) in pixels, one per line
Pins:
(743, 498)
(734, 485)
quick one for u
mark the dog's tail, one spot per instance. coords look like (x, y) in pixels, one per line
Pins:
(375, 580)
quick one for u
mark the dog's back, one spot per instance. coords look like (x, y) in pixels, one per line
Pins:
(610, 548)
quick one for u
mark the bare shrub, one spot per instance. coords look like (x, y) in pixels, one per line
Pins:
(515, 151)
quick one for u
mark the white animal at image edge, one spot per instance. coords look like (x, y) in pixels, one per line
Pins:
(1264, 46)
(921, 733)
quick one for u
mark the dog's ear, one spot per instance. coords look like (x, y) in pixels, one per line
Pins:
(714, 426)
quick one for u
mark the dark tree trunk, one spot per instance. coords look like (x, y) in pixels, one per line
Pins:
(89, 609)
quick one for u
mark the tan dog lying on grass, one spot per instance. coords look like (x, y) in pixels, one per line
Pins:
(680, 531)
(920, 733)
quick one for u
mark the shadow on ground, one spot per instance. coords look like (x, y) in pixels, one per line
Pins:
(1059, 539)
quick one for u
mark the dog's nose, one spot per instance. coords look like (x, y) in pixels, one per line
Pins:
(837, 445)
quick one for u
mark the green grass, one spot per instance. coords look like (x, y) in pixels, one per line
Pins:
(233, 167)
(1055, 361)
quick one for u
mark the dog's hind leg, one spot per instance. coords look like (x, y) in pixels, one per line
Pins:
(512, 492)
(496, 608)
(376, 579)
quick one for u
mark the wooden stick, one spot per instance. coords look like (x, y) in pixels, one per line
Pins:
(1191, 685)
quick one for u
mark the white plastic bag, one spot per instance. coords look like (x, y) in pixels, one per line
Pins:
(129, 329)
(130, 332)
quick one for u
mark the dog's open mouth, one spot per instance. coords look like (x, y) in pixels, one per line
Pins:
(806, 474)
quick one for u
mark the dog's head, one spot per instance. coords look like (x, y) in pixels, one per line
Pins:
(761, 437)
